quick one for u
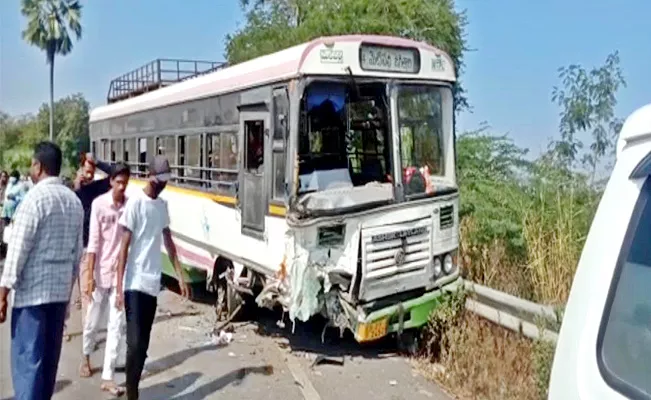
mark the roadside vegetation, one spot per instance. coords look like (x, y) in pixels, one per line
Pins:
(524, 222)
(524, 217)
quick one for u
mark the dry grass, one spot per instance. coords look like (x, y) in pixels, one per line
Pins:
(483, 361)
(553, 233)
(492, 265)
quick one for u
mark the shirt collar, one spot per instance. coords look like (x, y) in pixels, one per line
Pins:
(107, 201)
(117, 206)
(50, 180)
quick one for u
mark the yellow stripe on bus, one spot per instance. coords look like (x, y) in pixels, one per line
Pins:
(275, 210)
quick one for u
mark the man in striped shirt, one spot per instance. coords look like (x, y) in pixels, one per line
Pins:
(44, 251)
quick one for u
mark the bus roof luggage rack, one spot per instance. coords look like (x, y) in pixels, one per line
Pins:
(158, 74)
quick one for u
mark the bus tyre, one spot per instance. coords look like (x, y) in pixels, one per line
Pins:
(409, 342)
(234, 302)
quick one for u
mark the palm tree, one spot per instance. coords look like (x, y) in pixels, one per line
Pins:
(48, 26)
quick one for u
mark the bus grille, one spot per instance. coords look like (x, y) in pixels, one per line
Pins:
(446, 217)
(396, 258)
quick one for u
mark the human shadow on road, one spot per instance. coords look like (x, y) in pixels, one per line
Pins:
(175, 359)
(58, 386)
(234, 377)
(171, 388)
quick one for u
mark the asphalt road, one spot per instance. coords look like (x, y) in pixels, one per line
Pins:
(262, 362)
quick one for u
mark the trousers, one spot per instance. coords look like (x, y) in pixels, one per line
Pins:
(140, 312)
(103, 299)
(36, 339)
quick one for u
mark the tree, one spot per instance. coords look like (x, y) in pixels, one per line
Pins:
(273, 25)
(18, 135)
(71, 123)
(48, 26)
(587, 101)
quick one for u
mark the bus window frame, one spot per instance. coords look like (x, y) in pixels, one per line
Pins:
(278, 146)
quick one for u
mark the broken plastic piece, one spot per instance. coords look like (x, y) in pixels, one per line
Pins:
(222, 339)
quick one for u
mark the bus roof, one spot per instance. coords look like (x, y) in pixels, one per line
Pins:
(323, 56)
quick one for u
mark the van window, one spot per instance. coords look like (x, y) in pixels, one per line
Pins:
(624, 345)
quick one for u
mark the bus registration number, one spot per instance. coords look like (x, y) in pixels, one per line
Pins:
(373, 330)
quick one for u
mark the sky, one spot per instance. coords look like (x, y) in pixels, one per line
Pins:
(516, 47)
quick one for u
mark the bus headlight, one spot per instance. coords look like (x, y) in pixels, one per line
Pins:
(436, 267)
(448, 265)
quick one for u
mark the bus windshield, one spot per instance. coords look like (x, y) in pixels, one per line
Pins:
(420, 121)
(345, 143)
(344, 136)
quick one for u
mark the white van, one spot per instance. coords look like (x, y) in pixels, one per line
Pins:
(604, 346)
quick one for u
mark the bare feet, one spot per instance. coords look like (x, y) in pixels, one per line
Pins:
(85, 370)
(112, 388)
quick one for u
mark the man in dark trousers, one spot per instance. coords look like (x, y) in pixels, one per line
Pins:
(87, 190)
(44, 252)
(145, 221)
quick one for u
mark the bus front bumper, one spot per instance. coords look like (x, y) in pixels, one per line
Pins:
(413, 313)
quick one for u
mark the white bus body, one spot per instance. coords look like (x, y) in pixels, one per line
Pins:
(322, 177)
(604, 345)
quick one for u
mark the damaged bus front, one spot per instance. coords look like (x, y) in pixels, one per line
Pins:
(373, 202)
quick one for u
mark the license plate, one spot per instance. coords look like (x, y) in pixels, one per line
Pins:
(373, 330)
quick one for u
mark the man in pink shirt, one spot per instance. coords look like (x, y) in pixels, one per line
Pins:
(103, 248)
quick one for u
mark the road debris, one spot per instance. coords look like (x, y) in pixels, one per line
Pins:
(393, 383)
(321, 359)
(222, 339)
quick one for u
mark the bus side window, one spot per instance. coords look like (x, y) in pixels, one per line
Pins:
(280, 134)
(130, 152)
(180, 173)
(142, 155)
(113, 149)
(190, 159)
(116, 148)
(254, 136)
(624, 348)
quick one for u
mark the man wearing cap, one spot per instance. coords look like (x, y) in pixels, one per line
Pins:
(140, 263)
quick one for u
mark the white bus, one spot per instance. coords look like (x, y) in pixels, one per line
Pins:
(321, 178)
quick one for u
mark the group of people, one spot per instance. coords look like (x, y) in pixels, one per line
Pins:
(12, 191)
(107, 242)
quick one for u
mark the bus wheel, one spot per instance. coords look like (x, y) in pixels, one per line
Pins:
(409, 342)
(231, 304)
(234, 302)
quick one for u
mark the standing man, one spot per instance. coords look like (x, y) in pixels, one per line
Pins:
(102, 257)
(44, 251)
(145, 221)
(88, 189)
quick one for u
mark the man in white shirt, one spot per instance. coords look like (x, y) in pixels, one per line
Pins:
(145, 221)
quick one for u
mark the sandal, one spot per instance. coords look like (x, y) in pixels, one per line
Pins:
(85, 370)
(112, 388)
